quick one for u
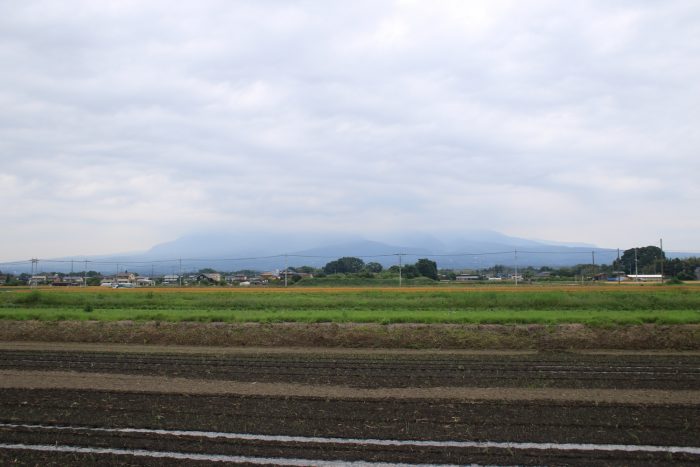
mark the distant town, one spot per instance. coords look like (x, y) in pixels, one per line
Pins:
(645, 264)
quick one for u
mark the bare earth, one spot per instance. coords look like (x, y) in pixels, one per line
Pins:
(111, 382)
(348, 335)
(69, 403)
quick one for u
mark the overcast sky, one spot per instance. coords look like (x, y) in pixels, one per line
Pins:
(128, 123)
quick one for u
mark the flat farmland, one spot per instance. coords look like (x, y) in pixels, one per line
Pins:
(162, 405)
(537, 317)
(602, 305)
(506, 376)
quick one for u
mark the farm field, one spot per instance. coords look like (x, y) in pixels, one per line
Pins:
(453, 376)
(159, 406)
(478, 305)
(500, 317)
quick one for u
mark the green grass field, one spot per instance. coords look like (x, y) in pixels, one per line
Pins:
(598, 306)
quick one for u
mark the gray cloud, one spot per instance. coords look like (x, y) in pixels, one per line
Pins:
(136, 122)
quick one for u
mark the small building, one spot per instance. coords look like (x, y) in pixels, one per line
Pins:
(171, 279)
(236, 278)
(73, 280)
(145, 282)
(645, 277)
(120, 278)
(208, 278)
(213, 276)
(66, 281)
(467, 277)
(38, 280)
(291, 273)
(269, 276)
(125, 278)
(617, 278)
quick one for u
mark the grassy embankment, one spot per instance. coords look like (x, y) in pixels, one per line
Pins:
(594, 306)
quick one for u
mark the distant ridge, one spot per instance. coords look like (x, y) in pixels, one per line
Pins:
(471, 249)
(269, 251)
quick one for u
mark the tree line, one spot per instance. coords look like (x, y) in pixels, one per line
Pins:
(640, 260)
(424, 267)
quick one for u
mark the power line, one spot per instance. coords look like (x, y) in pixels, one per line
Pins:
(127, 262)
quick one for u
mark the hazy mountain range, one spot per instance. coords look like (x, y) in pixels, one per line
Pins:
(474, 249)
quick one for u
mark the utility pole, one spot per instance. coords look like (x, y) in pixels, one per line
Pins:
(285, 269)
(400, 255)
(179, 276)
(516, 266)
(85, 274)
(35, 269)
(661, 245)
(636, 266)
(593, 258)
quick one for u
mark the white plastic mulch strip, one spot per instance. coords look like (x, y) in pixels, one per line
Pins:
(206, 457)
(375, 442)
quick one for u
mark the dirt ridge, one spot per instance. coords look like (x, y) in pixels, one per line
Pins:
(333, 335)
(18, 379)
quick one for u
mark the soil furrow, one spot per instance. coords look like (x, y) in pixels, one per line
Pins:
(626, 399)
(649, 372)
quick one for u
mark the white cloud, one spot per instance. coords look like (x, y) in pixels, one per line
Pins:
(542, 119)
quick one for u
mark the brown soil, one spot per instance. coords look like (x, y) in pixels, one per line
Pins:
(348, 394)
(534, 421)
(327, 335)
(120, 382)
(371, 369)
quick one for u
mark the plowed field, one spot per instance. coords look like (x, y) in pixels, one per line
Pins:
(156, 406)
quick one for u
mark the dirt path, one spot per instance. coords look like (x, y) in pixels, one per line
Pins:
(120, 382)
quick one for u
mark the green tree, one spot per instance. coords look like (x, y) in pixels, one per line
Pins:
(93, 281)
(447, 274)
(648, 260)
(344, 265)
(427, 268)
(306, 269)
(410, 271)
(374, 267)
(683, 269)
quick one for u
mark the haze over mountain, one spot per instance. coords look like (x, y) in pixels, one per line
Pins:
(473, 249)
(299, 243)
